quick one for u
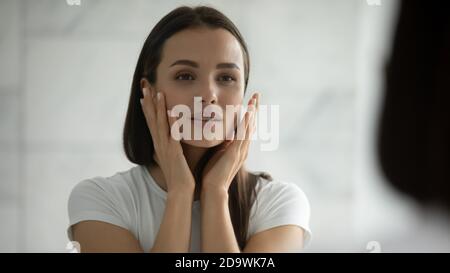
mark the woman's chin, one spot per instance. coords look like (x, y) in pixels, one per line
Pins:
(204, 143)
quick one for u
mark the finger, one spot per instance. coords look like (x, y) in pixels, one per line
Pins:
(240, 132)
(252, 123)
(152, 92)
(162, 120)
(146, 99)
(237, 143)
(248, 123)
(149, 111)
(244, 145)
(250, 130)
(252, 102)
(172, 119)
(241, 142)
(252, 109)
(258, 98)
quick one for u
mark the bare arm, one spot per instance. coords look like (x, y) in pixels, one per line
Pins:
(286, 238)
(217, 228)
(218, 234)
(173, 235)
(97, 236)
(175, 230)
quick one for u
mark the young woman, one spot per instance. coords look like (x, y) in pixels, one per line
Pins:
(188, 195)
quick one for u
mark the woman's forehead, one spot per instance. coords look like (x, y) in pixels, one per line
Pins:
(204, 46)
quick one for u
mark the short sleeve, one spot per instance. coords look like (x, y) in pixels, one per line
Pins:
(94, 200)
(280, 203)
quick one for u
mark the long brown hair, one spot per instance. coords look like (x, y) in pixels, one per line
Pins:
(137, 141)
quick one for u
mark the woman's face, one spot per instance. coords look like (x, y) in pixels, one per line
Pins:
(207, 63)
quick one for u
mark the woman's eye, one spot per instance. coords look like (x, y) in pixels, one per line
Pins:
(184, 77)
(226, 78)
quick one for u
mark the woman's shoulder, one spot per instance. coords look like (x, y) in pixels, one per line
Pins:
(267, 185)
(109, 199)
(273, 194)
(279, 202)
(121, 184)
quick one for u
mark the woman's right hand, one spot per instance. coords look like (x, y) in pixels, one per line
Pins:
(168, 151)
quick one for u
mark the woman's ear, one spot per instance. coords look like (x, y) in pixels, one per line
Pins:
(145, 84)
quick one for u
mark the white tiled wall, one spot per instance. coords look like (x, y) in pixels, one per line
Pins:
(65, 74)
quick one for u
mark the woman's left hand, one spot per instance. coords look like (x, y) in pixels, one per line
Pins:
(226, 162)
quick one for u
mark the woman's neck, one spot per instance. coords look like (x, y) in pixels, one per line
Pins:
(193, 155)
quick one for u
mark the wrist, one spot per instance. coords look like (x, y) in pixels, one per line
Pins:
(214, 192)
(181, 192)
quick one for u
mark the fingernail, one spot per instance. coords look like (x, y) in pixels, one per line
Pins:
(168, 113)
(144, 91)
(142, 101)
(158, 96)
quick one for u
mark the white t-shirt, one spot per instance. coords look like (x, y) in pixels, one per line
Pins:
(134, 201)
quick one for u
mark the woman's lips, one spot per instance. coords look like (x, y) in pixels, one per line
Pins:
(213, 116)
(206, 119)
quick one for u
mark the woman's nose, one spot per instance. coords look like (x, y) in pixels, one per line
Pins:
(209, 100)
(208, 94)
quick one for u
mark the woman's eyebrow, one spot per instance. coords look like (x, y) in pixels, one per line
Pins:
(185, 62)
(195, 64)
(228, 65)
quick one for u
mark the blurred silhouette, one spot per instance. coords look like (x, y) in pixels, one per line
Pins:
(414, 127)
